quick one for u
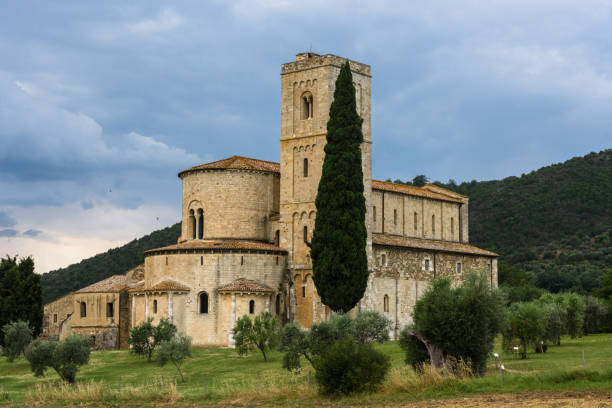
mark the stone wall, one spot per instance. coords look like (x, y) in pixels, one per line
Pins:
(97, 323)
(236, 203)
(55, 313)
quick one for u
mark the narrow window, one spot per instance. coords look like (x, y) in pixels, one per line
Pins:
(433, 224)
(166, 260)
(192, 222)
(201, 260)
(83, 309)
(277, 260)
(383, 259)
(305, 167)
(251, 306)
(426, 264)
(458, 267)
(201, 225)
(278, 300)
(303, 290)
(305, 233)
(306, 106)
(277, 238)
(415, 222)
(203, 302)
(55, 318)
(110, 309)
(374, 213)
(155, 306)
(386, 303)
(242, 260)
(394, 217)
(452, 227)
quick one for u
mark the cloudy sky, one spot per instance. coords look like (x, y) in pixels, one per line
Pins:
(102, 103)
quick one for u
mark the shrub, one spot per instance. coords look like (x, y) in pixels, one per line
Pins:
(416, 352)
(145, 337)
(65, 357)
(462, 321)
(17, 336)
(176, 351)
(526, 323)
(367, 327)
(348, 366)
(575, 314)
(262, 333)
(595, 312)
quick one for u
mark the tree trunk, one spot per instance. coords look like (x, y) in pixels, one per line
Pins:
(179, 371)
(436, 354)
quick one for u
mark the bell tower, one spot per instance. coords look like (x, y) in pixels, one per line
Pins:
(307, 91)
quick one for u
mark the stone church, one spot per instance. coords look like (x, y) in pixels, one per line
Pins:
(245, 224)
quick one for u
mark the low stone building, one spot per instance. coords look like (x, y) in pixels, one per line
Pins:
(245, 227)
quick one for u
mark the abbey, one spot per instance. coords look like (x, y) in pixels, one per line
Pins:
(245, 227)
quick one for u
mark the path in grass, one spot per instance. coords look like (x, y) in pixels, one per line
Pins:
(228, 378)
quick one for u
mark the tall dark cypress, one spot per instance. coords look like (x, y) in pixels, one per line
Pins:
(338, 247)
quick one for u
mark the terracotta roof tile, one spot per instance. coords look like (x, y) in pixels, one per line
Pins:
(412, 190)
(237, 162)
(115, 283)
(429, 244)
(244, 285)
(239, 245)
(163, 286)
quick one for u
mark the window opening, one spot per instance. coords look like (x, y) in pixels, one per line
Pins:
(242, 260)
(386, 303)
(203, 302)
(155, 306)
(251, 306)
(110, 309)
(305, 233)
(383, 259)
(304, 290)
(201, 260)
(305, 167)
(201, 225)
(458, 267)
(395, 217)
(277, 238)
(415, 222)
(426, 264)
(55, 318)
(374, 213)
(306, 106)
(433, 224)
(192, 221)
(452, 227)
(278, 308)
(83, 309)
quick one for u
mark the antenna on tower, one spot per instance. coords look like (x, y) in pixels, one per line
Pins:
(310, 48)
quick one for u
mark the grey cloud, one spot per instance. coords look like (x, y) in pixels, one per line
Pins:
(10, 233)
(6, 220)
(32, 233)
(87, 205)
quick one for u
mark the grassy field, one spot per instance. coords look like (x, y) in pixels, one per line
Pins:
(215, 376)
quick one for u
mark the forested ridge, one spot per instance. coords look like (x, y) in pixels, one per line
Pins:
(552, 227)
(114, 261)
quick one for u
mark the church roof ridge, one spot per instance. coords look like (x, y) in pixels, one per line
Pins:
(430, 244)
(245, 286)
(413, 190)
(237, 163)
(115, 283)
(219, 244)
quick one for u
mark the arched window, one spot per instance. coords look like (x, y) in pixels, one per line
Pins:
(203, 302)
(415, 222)
(433, 224)
(394, 217)
(155, 307)
(192, 224)
(251, 306)
(386, 304)
(201, 260)
(278, 300)
(306, 105)
(83, 309)
(200, 224)
(305, 233)
(305, 167)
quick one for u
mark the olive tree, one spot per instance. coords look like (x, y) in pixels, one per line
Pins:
(260, 333)
(65, 357)
(175, 351)
(17, 336)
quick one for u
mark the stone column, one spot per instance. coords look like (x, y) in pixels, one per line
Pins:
(170, 310)
(133, 309)
(230, 340)
(146, 306)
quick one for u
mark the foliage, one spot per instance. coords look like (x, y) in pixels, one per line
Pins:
(462, 321)
(145, 337)
(176, 351)
(555, 222)
(595, 312)
(60, 282)
(525, 323)
(20, 294)
(575, 314)
(605, 285)
(65, 357)
(522, 293)
(414, 349)
(261, 333)
(555, 315)
(367, 327)
(17, 336)
(339, 261)
(348, 366)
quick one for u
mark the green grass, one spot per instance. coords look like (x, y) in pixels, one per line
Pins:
(245, 380)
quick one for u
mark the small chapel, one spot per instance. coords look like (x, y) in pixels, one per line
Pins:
(245, 227)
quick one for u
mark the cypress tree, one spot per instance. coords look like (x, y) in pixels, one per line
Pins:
(338, 247)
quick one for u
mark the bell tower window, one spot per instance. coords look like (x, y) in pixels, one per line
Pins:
(305, 167)
(200, 224)
(192, 223)
(307, 106)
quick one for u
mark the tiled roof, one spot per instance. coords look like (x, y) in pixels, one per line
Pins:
(237, 162)
(429, 244)
(244, 285)
(115, 283)
(442, 190)
(239, 245)
(412, 190)
(163, 286)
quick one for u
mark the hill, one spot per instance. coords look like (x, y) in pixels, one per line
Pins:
(555, 221)
(114, 261)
